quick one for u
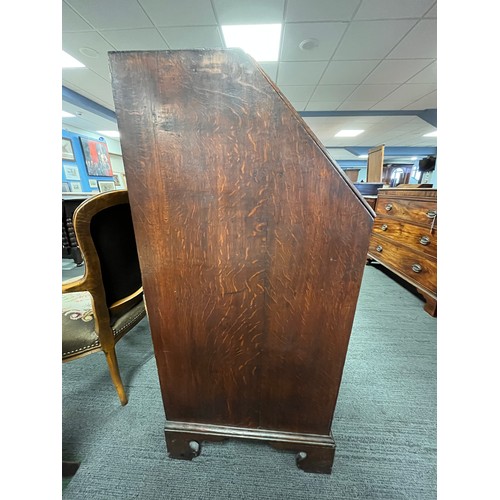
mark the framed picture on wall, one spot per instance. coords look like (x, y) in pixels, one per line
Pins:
(65, 187)
(106, 186)
(76, 187)
(71, 172)
(93, 183)
(67, 149)
(96, 156)
(119, 180)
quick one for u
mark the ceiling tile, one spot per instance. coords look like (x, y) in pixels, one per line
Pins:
(421, 42)
(246, 12)
(347, 71)
(199, 37)
(427, 75)
(371, 39)
(270, 68)
(323, 105)
(429, 101)
(117, 14)
(432, 12)
(180, 13)
(392, 9)
(298, 105)
(357, 105)
(320, 10)
(327, 35)
(372, 92)
(71, 21)
(73, 42)
(389, 105)
(300, 73)
(410, 92)
(297, 92)
(396, 71)
(332, 92)
(140, 39)
(89, 84)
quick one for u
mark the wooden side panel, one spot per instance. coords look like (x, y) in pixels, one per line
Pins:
(252, 243)
(375, 164)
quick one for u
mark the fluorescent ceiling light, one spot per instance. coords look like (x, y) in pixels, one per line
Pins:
(363, 156)
(348, 133)
(109, 133)
(65, 114)
(431, 134)
(70, 62)
(261, 41)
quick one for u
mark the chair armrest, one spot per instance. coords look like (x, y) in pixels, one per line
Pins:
(77, 284)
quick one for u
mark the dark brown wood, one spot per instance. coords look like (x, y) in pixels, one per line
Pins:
(314, 453)
(251, 240)
(404, 238)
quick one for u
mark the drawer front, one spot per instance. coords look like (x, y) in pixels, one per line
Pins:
(419, 211)
(419, 269)
(416, 237)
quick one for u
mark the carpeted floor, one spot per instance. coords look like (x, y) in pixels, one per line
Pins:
(384, 424)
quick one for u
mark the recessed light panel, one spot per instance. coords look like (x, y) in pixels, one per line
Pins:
(70, 62)
(65, 114)
(348, 133)
(261, 41)
(431, 134)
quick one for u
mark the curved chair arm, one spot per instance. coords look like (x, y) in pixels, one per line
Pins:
(78, 284)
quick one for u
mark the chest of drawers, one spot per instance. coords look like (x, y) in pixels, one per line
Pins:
(404, 238)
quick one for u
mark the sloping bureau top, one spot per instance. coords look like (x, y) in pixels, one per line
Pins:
(252, 243)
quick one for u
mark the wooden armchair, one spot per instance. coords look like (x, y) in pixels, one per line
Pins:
(107, 302)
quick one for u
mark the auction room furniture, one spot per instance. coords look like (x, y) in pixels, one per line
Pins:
(252, 244)
(107, 302)
(375, 164)
(404, 238)
(70, 247)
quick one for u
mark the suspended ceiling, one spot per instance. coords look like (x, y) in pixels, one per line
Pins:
(373, 67)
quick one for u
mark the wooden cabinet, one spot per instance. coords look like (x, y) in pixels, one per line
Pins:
(252, 245)
(404, 238)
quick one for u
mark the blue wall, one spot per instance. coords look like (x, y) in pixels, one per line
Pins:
(80, 163)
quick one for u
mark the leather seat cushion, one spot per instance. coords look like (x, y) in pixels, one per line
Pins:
(78, 325)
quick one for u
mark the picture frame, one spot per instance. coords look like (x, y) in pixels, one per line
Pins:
(76, 187)
(119, 180)
(65, 187)
(93, 183)
(71, 172)
(106, 186)
(96, 156)
(67, 149)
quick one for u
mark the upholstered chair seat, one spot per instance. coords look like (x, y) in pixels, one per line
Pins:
(78, 332)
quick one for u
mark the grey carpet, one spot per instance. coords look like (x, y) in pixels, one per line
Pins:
(384, 425)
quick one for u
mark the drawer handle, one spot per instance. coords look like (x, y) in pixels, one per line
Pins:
(431, 214)
(384, 227)
(379, 248)
(416, 268)
(425, 240)
(388, 206)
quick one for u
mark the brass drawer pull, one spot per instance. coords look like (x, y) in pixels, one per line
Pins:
(383, 227)
(388, 206)
(379, 248)
(416, 268)
(431, 214)
(425, 240)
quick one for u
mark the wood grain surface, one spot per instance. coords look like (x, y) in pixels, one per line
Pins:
(252, 242)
